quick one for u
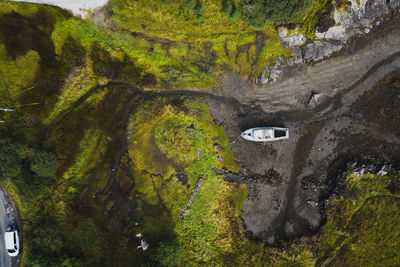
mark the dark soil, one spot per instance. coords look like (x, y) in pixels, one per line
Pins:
(290, 180)
(382, 105)
(295, 177)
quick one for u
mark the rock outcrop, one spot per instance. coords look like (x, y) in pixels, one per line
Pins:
(359, 18)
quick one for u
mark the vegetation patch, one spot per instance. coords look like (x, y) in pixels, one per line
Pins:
(206, 40)
(98, 169)
(257, 13)
(356, 232)
(175, 140)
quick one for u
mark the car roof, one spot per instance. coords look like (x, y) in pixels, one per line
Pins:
(9, 239)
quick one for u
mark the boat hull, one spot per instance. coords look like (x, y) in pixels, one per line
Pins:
(265, 134)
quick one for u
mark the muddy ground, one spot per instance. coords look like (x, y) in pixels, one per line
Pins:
(337, 112)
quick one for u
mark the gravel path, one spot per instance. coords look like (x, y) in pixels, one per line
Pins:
(77, 7)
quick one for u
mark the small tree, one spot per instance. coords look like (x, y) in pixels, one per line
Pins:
(44, 164)
(254, 12)
(169, 254)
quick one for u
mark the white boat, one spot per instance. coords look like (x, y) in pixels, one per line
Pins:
(265, 134)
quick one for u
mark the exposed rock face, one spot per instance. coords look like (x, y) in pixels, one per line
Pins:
(359, 18)
(318, 50)
(292, 39)
(271, 74)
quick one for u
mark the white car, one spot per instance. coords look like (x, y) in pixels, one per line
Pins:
(12, 241)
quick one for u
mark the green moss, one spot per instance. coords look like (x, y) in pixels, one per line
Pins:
(200, 65)
(17, 75)
(357, 227)
(74, 88)
(109, 205)
(310, 20)
(184, 136)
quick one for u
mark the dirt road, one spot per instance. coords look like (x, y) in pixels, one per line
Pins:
(327, 107)
(76, 6)
(7, 215)
(5, 260)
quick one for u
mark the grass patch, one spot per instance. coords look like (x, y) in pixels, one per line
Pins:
(211, 42)
(172, 145)
(359, 229)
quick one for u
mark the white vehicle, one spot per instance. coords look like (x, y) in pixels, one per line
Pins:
(12, 241)
(265, 134)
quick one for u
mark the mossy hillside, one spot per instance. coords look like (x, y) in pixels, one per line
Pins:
(215, 40)
(157, 64)
(174, 21)
(68, 230)
(135, 59)
(168, 19)
(34, 37)
(81, 45)
(225, 25)
(193, 64)
(32, 71)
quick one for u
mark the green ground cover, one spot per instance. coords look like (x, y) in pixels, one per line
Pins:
(179, 48)
(128, 163)
(166, 145)
(84, 122)
(236, 34)
(362, 229)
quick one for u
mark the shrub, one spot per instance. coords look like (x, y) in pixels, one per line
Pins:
(169, 254)
(258, 12)
(194, 7)
(230, 9)
(254, 13)
(44, 164)
(10, 162)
